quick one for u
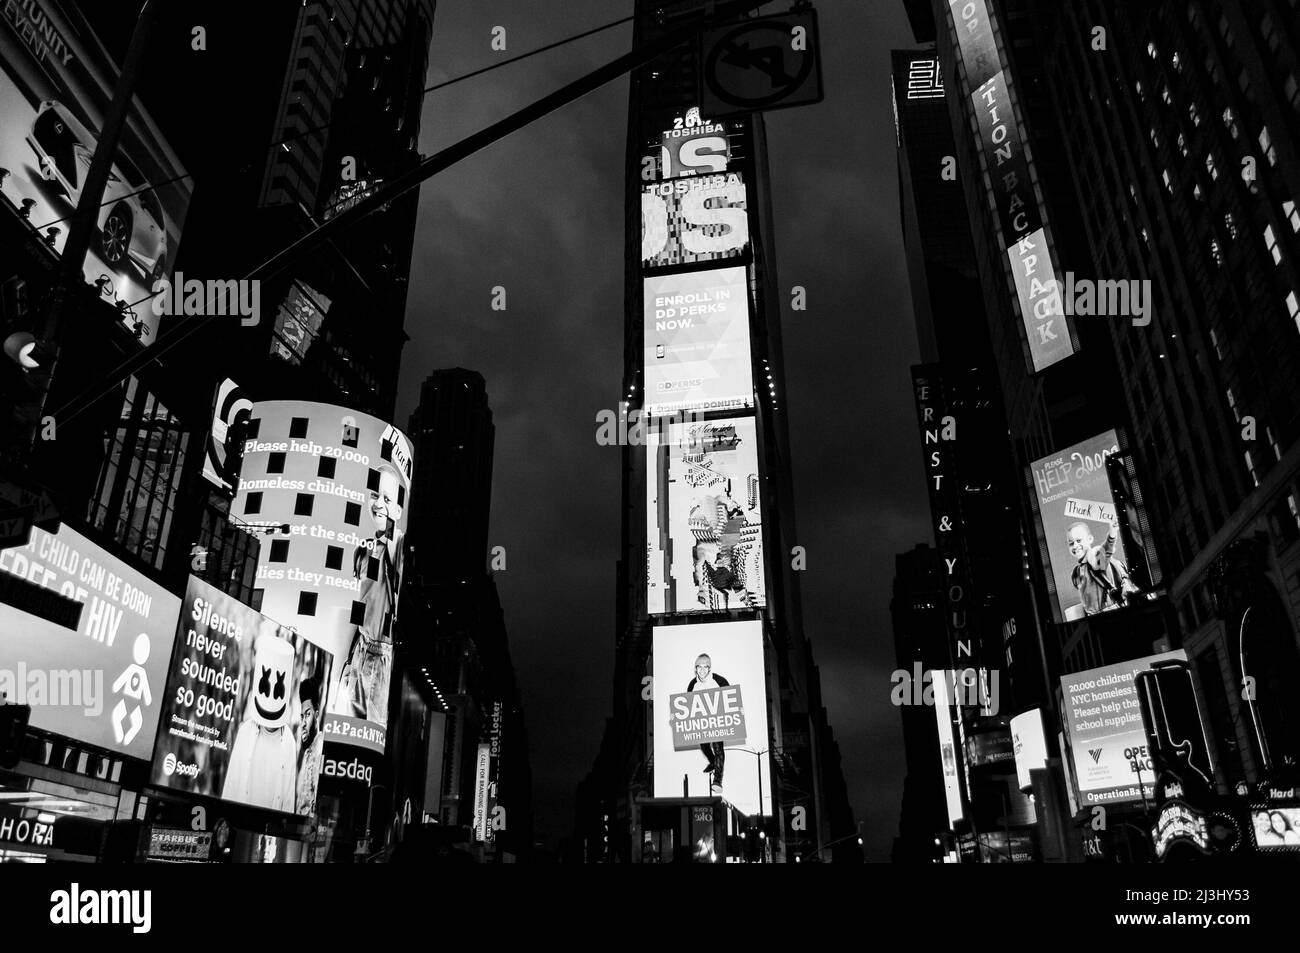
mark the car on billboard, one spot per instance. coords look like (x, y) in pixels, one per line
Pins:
(131, 222)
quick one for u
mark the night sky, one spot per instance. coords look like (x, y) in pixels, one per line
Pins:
(541, 214)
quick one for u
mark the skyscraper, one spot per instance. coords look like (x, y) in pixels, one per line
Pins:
(456, 632)
(708, 575)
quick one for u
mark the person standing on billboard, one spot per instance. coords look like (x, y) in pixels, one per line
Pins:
(1102, 580)
(713, 750)
(308, 750)
(363, 683)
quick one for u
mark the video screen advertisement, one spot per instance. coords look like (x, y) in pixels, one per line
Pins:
(243, 708)
(694, 147)
(1107, 739)
(86, 642)
(698, 218)
(340, 480)
(1080, 544)
(710, 713)
(56, 81)
(704, 518)
(697, 342)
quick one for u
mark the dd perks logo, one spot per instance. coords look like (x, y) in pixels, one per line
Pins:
(172, 766)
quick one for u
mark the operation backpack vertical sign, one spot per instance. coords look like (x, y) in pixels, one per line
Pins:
(1026, 234)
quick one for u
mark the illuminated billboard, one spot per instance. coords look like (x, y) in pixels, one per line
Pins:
(86, 641)
(693, 219)
(694, 149)
(56, 82)
(1107, 739)
(339, 480)
(710, 713)
(697, 342)
(243, 707)
(944, 683)
(1276, 827)
(1049, 335)
(1029, 745)
(230, 407)
(1079, 540)
(704, 518)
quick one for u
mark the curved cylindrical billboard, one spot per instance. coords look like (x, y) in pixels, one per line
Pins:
(330, 489)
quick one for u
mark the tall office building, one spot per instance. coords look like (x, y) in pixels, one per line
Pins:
(1184, 153)
(985, 602)
(1150, 157)
(706, 583)
(458, 639)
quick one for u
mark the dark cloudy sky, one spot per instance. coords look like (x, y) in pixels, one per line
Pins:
(541, 214)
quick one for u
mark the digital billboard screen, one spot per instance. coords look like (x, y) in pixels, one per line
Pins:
(697, 354)
(694, 149)
(243, 707)
(710, 713)
(340, 481)
(1080, 544)
(1107, 738)
(230, 407)
(86, 641)
(56, 82)
(1276, 827)
(698, 218)
(704, 517)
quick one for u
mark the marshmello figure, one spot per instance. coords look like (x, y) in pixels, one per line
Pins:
(262, 769)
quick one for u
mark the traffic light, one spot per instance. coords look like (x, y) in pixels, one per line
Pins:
(13, 731)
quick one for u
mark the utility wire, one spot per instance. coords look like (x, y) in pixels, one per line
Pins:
(133, 363)
(478, 72)
(426, 91)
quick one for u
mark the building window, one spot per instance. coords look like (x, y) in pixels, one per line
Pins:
(1197, 193)
(1193, 114)
(1250, 465)
(135, 498)
(1266, 143)
(1292, 91)
(1209, 165)
(1271, 244)
(1152, 51)
(1182, 145)
(1293, 309)
(1269, 32)
(1230, 121)
(1232, 403)
(1292, 215)
(1214, 339)
(1216, 253)
(1164, 96)
(1272, 442)
(1169, 185)
(1230, 224)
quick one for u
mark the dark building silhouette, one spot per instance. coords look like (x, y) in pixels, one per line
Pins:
(458, 638)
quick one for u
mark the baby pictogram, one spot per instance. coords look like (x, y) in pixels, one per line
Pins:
(133, 684)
